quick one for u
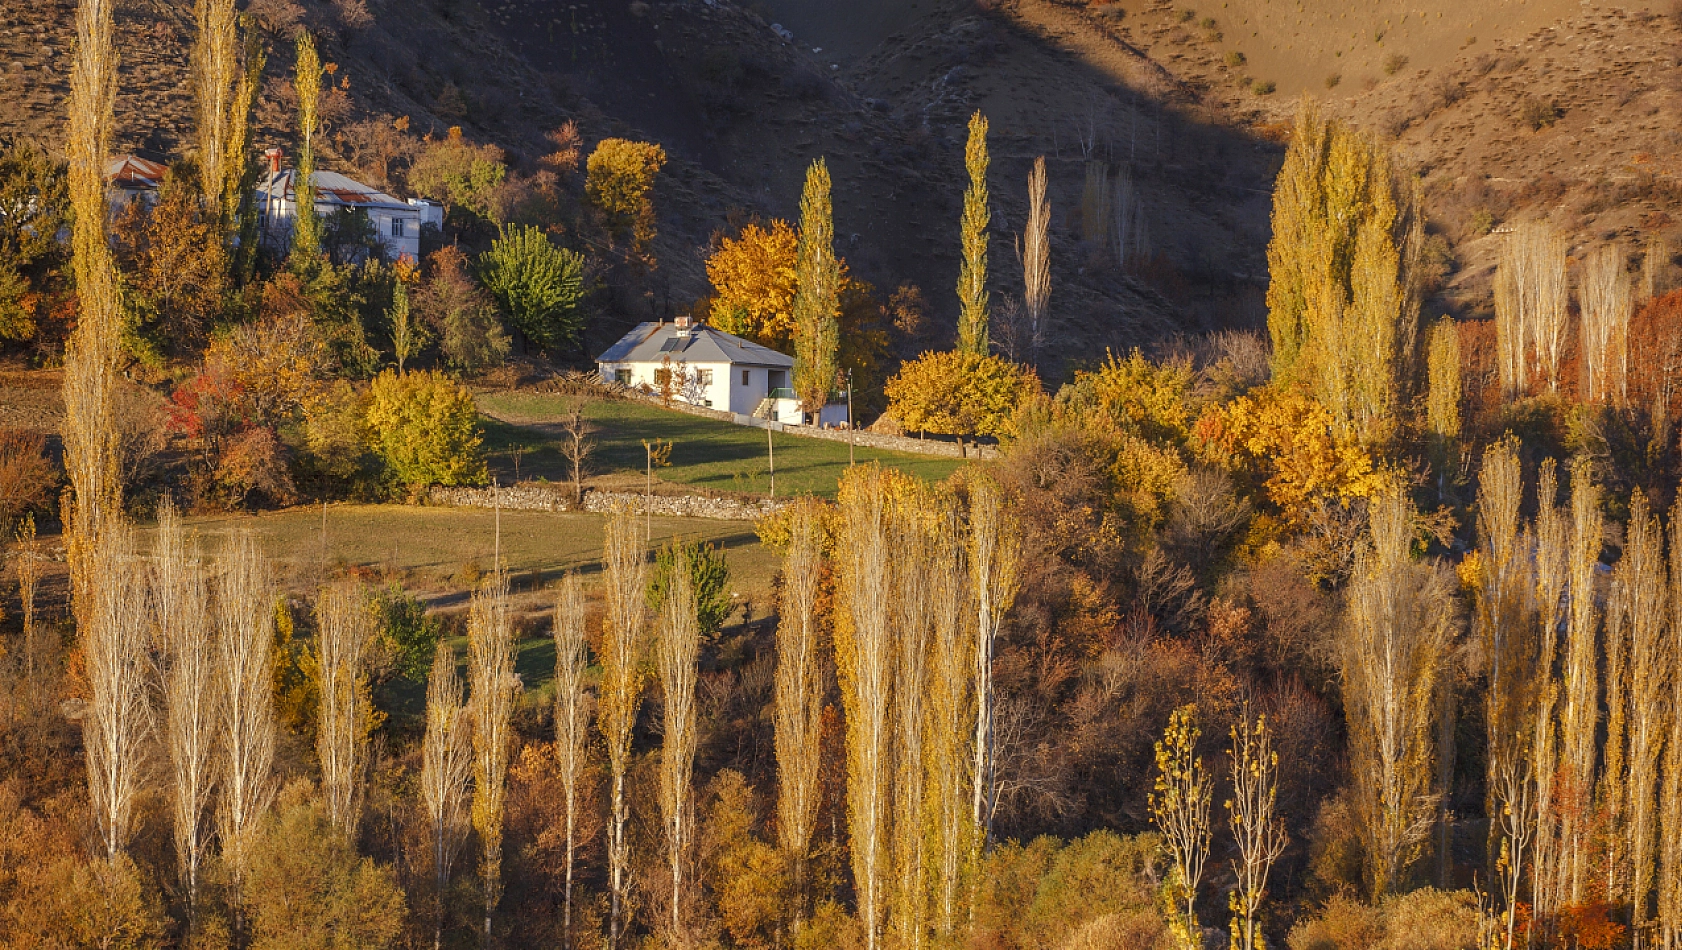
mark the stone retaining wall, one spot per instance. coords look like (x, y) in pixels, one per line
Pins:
(543, 497)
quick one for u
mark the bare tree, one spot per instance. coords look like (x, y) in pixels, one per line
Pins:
(952, 685)
(181, 608)
(1400, 627)
(1530, 301)
(1642, 595)
(490, 675)
(798, 698)
(446, 764)
(1606, 304)
(26, 564)
(576, 445)
(118, 720)
(1580, 715)
(1653, 265)
(1096, 208)
(1036, 256)
(910, 575)
(994, 561)
(1551, 865)
(572, 720)
(344, 630)
(1180, 810)
(245, 662)
(864, 653)
(623, 636)
(1257, 830)
(679, 651)
(216, 71)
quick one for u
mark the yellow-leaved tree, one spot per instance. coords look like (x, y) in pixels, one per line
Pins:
(619, 181)
(1343, 303)
(1288, 444)
(960, 393)
(754, 278)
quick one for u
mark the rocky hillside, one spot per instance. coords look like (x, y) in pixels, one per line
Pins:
(1506, 108)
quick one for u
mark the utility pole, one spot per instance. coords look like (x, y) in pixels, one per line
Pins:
(852, 427)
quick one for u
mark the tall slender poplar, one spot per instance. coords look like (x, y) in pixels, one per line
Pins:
(245, 666)
(446, 766)
(490, 674)
(181, 608)
(344, 632)
(864, 658)
(972, 228)
(817, 294)
(798, 699)
(306, 226)
(679, 652)
(624, 634)
(572, 722)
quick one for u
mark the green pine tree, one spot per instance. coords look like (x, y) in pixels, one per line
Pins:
(972, 277)
(817, 295)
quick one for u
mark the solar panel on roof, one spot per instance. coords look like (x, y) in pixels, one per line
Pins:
(676, 343)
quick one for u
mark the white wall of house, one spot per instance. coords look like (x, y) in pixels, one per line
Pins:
(727, 387)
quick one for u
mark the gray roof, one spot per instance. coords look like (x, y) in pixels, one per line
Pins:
(651, 342)
(331, 188)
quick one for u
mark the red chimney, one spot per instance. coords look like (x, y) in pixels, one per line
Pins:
(273, 155)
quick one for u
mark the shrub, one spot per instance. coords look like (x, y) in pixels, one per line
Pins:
(1263, 87)
(408, 636)
(1333, 80)
(1083, 893)
(1235, 59)
(1536, 114)
(309, 890)
(540, 286)
(425, 428)
(708, 575)
(960, 394)
(1426, 919)
(463, 176)
(1394, 63)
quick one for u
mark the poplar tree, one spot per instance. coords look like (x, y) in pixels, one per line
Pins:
(798, 698)
(1400, 628)
(446, 765)
(952, 724)
(1343, 310)
(245, 670)
(1442, 396)
(864, 652)
(1580, 714)
(910, 617)
(91, 353)
(344, 631)
(181, 608)
(1036, 255)
(490, 673)
(306, 227)
(1642, 597)
(623, 634)
(572, 721)
(972, 274)
(678, 653)
(817, 295)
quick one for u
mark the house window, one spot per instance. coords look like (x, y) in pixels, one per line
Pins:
(745, 377)
(396, 227)
(704, 377)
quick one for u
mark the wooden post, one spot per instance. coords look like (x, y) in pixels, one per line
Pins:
(771, 453)
(496, 547)
(852, 426)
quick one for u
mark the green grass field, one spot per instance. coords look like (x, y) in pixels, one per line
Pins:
(436, 546)
(706, 453)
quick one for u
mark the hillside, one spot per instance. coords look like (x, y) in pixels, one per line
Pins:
(1507, 109)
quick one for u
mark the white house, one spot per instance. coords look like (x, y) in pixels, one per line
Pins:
(707, 367)
(396, 222)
